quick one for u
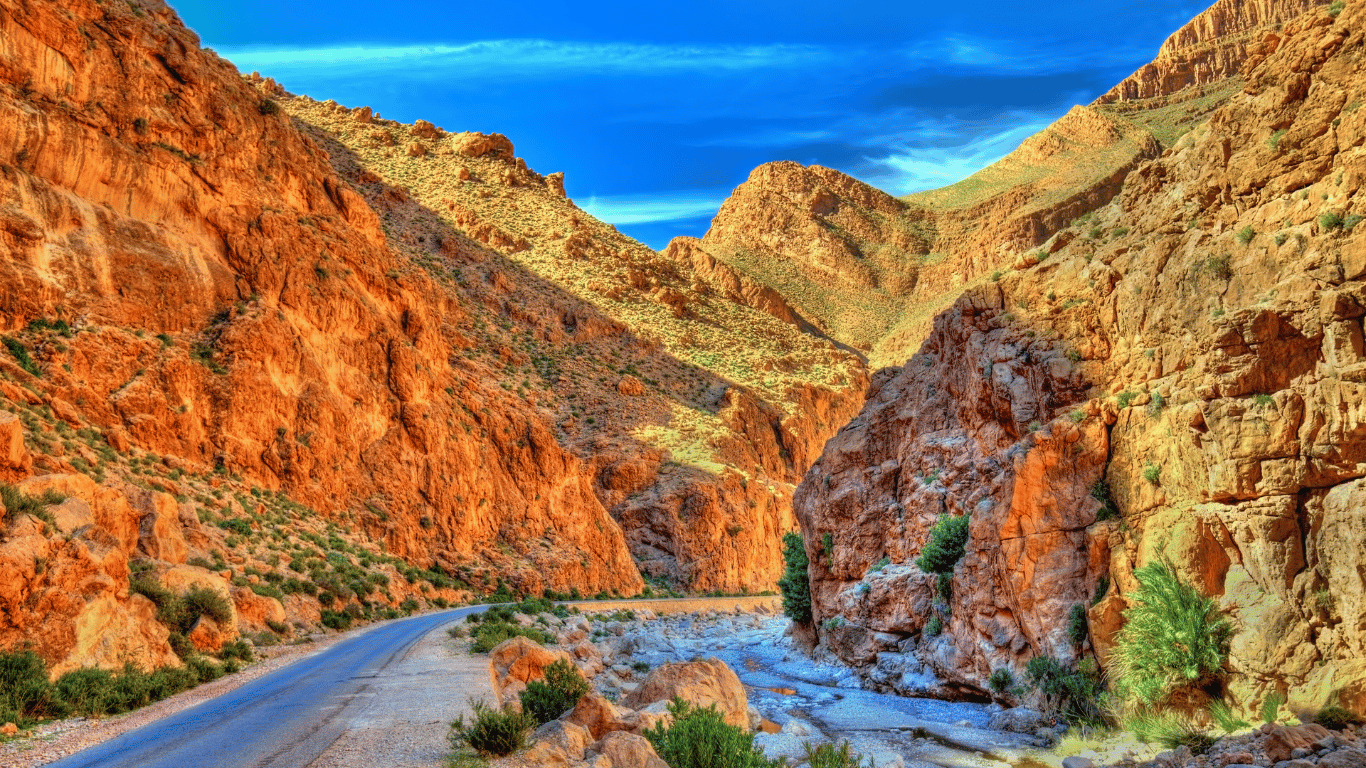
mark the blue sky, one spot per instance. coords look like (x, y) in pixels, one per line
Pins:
(655, 112)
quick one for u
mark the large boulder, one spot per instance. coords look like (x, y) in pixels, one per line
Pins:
(627, 750)
(557, 743)
(513, 663)
(700, 683)
(599, 716)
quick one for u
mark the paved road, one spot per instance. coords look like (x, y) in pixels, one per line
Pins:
(284, 720)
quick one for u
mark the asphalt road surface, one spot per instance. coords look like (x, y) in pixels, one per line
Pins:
(286, 719)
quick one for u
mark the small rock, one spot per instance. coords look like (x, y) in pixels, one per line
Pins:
(1346, 758)
(9, 729)
(1076, 761)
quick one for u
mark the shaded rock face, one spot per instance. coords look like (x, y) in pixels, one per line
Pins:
(1206, 366)
(1210, 47)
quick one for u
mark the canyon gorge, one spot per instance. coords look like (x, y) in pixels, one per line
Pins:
(338, 367)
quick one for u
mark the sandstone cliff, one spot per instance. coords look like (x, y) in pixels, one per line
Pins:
(1200, 363)
(1211, 47)
(438, 371)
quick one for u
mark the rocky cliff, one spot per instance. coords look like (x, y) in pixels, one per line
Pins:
(1195, 376)
(1211, 47)
(870, 272)
(453, 378)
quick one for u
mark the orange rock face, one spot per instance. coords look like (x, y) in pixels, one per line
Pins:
(1211, 47)
(1205, 365)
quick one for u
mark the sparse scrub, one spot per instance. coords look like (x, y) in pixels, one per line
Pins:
(1274, 140)
(1335, 8)
(1224, 717)
(1170, 730)
(827, 755)
(1271, 706)
(1219, 266)
(1330, 221)
(934, 627)
(562, 688)
(1174, 640)
(1152, 473)
(20, 353)
(1077, 628)
(15, 503)
(1100, 491)
(1245, 234)
(488, 634)
(1065, 692)
(494, 732)
(701, 738)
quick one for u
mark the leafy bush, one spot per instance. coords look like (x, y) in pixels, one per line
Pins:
(1077, 628)
(1336, 718)
(795, 584)
(1065, 692)
(701, 738)
(1219, 266)
(1001, 681)
(1173, 639)
(268, 107)
(497, 732)
(237, 649)
(24, 691)
(1328, 220)
(948, 539)
(827, 755)
(560, 691)
(338, 620)
(1245, 234)
(1170, 730)
(488, 634)
(1335, 8)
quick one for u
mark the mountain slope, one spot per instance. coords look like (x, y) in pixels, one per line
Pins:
(1204, 368)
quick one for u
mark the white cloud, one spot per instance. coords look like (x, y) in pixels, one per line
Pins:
(527, 58)
(652, 208)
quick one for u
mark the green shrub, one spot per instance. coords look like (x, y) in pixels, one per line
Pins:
(25, 694)
(268, 107)
(1245, 234)
(1152, 473)
(1001, 681)
(1219, 266)
(1173, 639)
(546, 700)
(1224, 717)
(701, 738)
(1125, 398)
(1335, 8)
(795, 584)
(1077, 628)
(934, 627)
(237, 649)
(205, 671)
(1336, 718)
(948, 539)
(338, 620)
(488, 634)
(497, 732)
(1065, 692)
(1168, 729)
(1100, 491)
(1274, 140)
(88, 691)
(21, 356)
(15, 503)
(1329, 220)
(827, 755)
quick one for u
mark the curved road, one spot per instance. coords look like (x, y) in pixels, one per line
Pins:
(286, 719)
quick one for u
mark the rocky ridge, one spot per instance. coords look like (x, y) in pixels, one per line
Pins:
(1185, 360)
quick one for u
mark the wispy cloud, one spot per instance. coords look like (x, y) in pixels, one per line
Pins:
(653, 208)
(525, 58)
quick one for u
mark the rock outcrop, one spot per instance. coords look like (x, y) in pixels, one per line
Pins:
(1195, 375)
(1212, 46)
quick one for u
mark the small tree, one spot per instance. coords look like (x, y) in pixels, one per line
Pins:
(796, 583)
